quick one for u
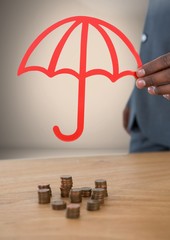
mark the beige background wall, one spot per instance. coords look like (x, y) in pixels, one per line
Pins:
(32, 103)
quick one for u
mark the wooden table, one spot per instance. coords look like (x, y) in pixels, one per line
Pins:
(138, 206)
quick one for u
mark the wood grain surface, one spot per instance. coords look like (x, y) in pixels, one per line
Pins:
(137, 208)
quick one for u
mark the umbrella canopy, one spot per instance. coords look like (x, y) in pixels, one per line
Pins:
(51, 70)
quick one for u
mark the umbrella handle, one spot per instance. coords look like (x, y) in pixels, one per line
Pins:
(80, 116)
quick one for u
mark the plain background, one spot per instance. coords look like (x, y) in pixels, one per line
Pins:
(31, 104)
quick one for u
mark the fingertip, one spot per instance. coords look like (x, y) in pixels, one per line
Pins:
(140, 72)
(152, 90)
(140, 83)
(167, 96)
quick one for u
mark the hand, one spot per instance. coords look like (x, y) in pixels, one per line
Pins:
(155, 76)
(126, 112)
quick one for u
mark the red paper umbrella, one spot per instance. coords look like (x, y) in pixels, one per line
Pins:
(82, 74)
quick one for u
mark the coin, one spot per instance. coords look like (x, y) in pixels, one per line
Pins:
(76, 195)
(66, 185)
(58, 205)
(73, 211)
(98, 194)
(101, 183)
(86, 191)
(44, 196)
(93, 205)
(45, 186)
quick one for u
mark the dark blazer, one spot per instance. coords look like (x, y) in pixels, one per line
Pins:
(153, 112)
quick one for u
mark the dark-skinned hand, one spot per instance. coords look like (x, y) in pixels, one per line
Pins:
(155, 76)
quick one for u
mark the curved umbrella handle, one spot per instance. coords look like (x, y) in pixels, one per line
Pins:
(80, 116)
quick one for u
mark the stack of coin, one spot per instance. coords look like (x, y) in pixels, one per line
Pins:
(98, 194)
(101, 183)
(73, 211)
(66, 185)
(86, 191)
(45, 186)
(93, 205)
(76, 195)
(58, 205)
(44, 196)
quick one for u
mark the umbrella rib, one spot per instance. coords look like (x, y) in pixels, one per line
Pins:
(112, 76)
(57, 52)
